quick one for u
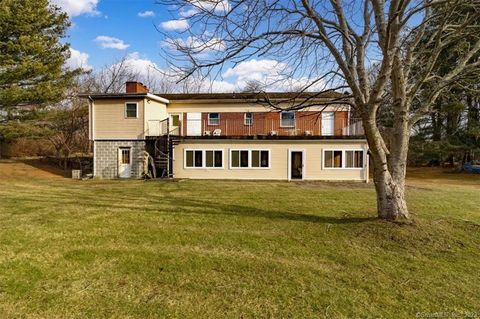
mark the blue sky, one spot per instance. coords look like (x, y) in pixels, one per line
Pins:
(117, 19)
(103, 31)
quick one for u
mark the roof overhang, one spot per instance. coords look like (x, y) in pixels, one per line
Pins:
(253, 97)
(112, 96)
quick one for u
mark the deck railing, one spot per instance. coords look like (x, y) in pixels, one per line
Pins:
(157, 127)
(259, 127)
(353, 128)
(270, 127)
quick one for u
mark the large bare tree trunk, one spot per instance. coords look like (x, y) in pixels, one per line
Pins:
(389, 166)
(391, 202)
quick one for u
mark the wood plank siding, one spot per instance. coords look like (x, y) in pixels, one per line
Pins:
(264, 123)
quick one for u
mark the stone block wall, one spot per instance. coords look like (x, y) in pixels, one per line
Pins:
(106, 158)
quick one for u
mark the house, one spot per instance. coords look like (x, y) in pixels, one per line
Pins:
(225, 136)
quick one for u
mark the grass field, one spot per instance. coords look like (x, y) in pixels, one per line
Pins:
(206, 249)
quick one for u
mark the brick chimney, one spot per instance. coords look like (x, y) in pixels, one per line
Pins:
(135, 87)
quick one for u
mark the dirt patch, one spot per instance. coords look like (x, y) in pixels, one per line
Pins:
(29, 168)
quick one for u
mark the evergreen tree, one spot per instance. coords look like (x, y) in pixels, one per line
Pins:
(32, 59)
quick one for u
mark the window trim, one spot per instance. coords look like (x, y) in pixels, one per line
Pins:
(208, 119)
(343, 158)
(204, 158)
(250, 150)
(245, 119)
(125, 111)
(120, 149)
(289, 163)
(294, 119)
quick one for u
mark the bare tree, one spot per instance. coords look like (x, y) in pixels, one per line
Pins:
(253, 86)
(111, 78)
(336, 42)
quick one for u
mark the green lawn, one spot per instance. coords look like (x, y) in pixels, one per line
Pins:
(230, 249)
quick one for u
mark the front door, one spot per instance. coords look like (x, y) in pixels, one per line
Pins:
(296, 165)
(124, 162)
(194, 124)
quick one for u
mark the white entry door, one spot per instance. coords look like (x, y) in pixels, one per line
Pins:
(124, 162)
(328, 123)
(194, 124)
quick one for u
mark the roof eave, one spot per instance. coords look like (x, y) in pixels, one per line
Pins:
(97, 96)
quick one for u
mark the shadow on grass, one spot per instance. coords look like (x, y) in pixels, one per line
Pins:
(45, 166)
(161, 202)
(205, 207)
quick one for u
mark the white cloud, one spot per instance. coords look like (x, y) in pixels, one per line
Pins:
(175, 25)
(255, 68)
(222, 86)
(270, 74)
(111, 42)
(196, 45)
(140, 65)
(149, 73)
(77, 7)
(267, 72)
(78, 60)
(160, 80)
(187, 13)
(146, 14)
(211, 5)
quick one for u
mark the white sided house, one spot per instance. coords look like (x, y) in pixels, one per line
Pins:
(225, 136)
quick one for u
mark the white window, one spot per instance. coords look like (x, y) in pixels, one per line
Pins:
(239, 159)
(248, 118)
(332, 159)
(214, 158)
(203, 158)
(260, 158)
(131, 110)
(287, 119)
(250, 159)
(354, 159)
(213, 118)
(343, 159)
(124, 155)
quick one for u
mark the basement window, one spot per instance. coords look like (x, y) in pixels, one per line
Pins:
(214, 158)
(346, 159)
(250, 159)
(354, 159)
(203, 158)
(131, 110)
(333, 159)
(260, 159)
(194, 158)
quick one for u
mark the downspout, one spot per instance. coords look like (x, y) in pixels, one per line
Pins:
(92, 131)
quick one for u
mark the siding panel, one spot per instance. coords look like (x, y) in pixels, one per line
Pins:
(278, 164)
(110, 121)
